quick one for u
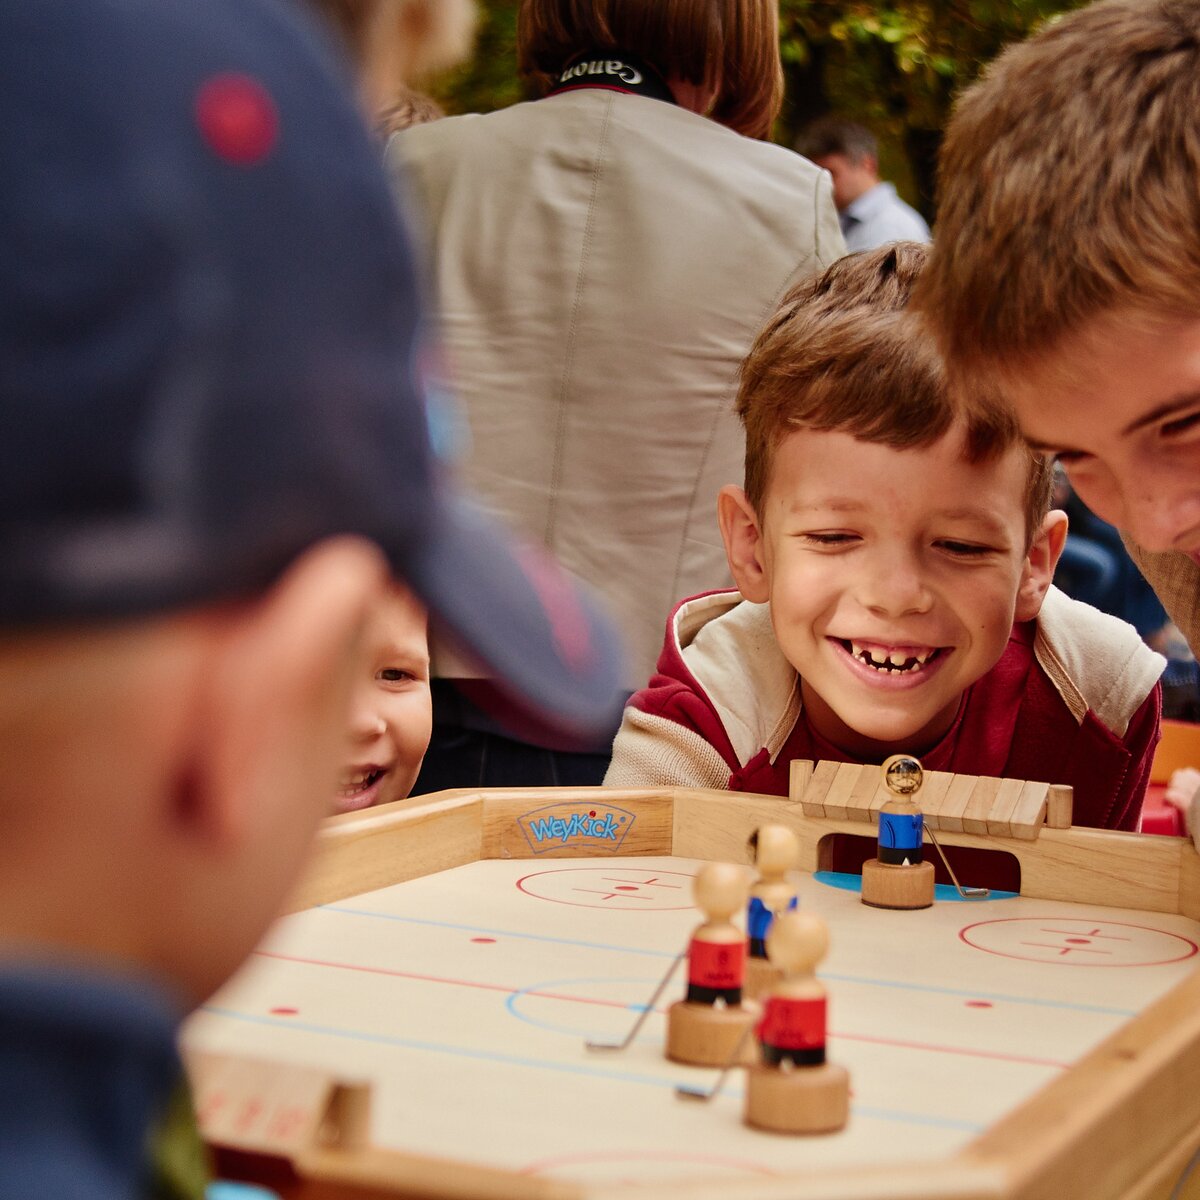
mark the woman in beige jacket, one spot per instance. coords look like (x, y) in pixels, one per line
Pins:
(602, 258)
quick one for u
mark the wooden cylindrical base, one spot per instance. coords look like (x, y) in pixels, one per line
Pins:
(888, 886)
(798, 1100)
(705, 1035)
(761, 976)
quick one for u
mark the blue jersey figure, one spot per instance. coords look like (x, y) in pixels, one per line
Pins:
(776, 854)
(758, 921)
(897, 877)
(901, 825)
(900, 834)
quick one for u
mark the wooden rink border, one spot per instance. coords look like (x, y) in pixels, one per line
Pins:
(1122, 1122)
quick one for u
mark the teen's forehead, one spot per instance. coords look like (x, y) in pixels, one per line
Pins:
(1117, 375)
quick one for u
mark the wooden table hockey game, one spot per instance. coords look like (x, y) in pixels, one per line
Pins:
(1040, 1046)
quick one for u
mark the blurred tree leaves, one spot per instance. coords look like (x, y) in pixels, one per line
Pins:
(489, 81)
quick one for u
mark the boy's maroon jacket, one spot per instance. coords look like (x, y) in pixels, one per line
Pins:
(1074, 699)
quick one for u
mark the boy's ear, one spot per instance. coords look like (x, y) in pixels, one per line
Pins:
(274, 703)
(1044, 553)
(743, 543)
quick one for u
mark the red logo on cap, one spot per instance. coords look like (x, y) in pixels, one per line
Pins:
(237, 118)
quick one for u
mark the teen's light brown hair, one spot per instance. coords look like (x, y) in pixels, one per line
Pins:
(728, 46)
(1070, 185)
(842, 354)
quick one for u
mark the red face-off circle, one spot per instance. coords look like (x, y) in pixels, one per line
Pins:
(1078, 942)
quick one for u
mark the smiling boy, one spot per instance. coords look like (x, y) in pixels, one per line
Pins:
(894, 564)
(1066, 276)
(391, 713)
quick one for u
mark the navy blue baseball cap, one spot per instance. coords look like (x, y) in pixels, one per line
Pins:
(210, 343)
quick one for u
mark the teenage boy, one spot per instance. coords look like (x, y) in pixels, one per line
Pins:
(1065, 279)
(210, 428)
(894, 565)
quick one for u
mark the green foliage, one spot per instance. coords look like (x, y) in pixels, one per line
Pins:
(489, 81)
(901, 61)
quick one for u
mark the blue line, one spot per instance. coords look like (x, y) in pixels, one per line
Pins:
(513, 999)
(880, 1114)
(865, 980)
(508, 933)
(887, 1114)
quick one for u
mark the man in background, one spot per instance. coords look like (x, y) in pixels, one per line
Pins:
(870, 212)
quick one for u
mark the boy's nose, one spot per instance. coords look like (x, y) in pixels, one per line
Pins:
(894, 586)
(366, 724)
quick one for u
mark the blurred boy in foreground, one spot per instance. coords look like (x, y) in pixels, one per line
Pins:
(212, 443)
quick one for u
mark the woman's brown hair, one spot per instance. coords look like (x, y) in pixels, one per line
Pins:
(728, 47)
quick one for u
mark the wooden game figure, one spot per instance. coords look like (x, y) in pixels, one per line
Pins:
(899, 877)
(793, 1089)
(705, 1028)
(776, 852)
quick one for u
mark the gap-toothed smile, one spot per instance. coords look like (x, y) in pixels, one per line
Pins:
(896, 660)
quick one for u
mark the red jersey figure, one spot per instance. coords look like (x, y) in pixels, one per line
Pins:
(793, 1089)
(705, 1028)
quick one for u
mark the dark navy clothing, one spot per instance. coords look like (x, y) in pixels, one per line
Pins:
(87, 1061)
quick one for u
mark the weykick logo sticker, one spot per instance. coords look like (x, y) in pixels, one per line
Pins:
(602, 827)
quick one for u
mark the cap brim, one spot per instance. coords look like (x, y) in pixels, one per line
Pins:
(539, 634)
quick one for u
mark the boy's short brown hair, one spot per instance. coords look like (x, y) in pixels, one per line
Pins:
(1070, 185)
(842, 354)
(731, 46)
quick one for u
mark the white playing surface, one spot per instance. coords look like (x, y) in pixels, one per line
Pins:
(467, 997)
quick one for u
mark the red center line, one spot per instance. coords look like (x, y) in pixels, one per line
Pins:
(1064, 949)
(644, 882)
(999, 1055)
(612, 895)
(1110, 937)
(485, 987)
(498, 987)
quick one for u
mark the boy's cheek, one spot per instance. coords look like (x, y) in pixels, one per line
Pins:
(414, 725)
